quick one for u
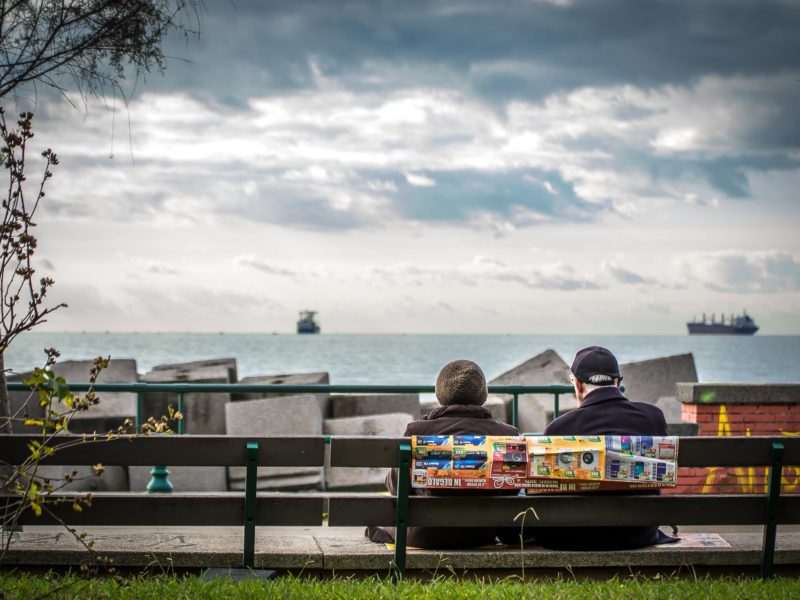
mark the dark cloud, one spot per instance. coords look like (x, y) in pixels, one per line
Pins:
(623, 275)
(513, 49)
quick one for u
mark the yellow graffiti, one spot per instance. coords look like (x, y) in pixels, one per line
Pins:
(750, 486)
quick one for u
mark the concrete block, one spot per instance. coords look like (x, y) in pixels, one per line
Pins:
(283, 415)
(341, 478)
(543, 369)
(683, 428)
(183, 479)
(228, 363)
(113, 409)
(321, 378)
(499, 407)
(359, 405)
(204, 412)
(649, 380)
(671, 408)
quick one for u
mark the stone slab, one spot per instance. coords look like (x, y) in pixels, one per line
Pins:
(280, 415)
(204, 412)
(671, 408)
(321, 378)
(183, 479)
(683, 429)
(347, 478)
(190, 549)
(227, 362)
(358, 405)
(346, 554)
(738, 393)
(649, 380)
(545, 368)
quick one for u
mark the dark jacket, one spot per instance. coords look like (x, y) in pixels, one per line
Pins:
(605, 411)
(457, 419)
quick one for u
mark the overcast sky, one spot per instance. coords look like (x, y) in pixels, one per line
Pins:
(446, 166)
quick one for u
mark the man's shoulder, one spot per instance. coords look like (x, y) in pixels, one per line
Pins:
(565, 424)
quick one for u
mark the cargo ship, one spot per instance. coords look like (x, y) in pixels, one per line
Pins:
(739, 325)
(306, 322)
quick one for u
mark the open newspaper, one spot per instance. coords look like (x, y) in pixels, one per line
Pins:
(544, 464)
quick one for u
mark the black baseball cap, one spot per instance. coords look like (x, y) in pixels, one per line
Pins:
(594, 360)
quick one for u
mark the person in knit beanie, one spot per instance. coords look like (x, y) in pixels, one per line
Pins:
(461, 382)
(461, 392)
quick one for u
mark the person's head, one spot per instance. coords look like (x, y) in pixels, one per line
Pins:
(461, 382)
(593, 367)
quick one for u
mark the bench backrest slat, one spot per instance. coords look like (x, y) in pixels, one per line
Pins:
(177, 450)
(563, 510)
(183, 510)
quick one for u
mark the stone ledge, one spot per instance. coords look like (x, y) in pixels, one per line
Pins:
(738, 393)
(311, 552)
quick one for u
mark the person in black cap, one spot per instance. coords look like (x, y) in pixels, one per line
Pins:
(461, 392)
(603, 410)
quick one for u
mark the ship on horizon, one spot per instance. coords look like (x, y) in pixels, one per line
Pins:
(735, 325)
(306, 322)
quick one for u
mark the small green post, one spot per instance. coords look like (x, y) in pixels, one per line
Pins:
(139, 411)
(514, 409)
(555, 405)
(401, 511)
(159, 481)
(771, 516)
(251, 474)
(180, 410)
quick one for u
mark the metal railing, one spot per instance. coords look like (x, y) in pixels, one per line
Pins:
(160, 482)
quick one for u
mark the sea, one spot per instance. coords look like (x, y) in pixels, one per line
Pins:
(412, 359)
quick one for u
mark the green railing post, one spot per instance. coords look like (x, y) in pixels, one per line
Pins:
(139, 411)
(401, 511)
(515, 409)
(181, 410)
(249, 555)
(555, 405)
(159, 480)
(771, 516)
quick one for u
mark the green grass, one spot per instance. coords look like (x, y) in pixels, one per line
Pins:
(21, 585)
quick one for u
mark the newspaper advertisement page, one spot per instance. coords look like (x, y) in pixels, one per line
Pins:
(544, 464)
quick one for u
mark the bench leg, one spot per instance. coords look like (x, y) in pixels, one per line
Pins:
(401, 511)
(251, 475)
(771, 518)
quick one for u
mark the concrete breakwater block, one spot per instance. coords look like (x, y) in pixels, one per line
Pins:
(183, 479)
(204, 412)
(321, 378)
(282, 415)
(113, 409)
(346, 478)
(543, 369)
(228, 362)
(358, 405)
(649, 380)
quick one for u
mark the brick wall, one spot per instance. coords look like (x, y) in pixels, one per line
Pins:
(762, 415)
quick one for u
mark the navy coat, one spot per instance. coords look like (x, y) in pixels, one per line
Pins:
(606, 411)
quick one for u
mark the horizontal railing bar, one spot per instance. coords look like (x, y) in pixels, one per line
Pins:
(245, 388)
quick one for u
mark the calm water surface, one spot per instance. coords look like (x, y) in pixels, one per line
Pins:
(413, 359)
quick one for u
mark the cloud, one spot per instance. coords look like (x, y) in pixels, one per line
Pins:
(626, 276)
(420, 180)
(765, 272)
(260, 264)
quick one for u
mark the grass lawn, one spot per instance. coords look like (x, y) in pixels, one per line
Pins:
(21, 585)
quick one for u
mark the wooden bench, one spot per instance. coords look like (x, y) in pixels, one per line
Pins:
(251, 509)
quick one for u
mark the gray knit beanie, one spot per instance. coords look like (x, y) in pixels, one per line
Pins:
(461, 382)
